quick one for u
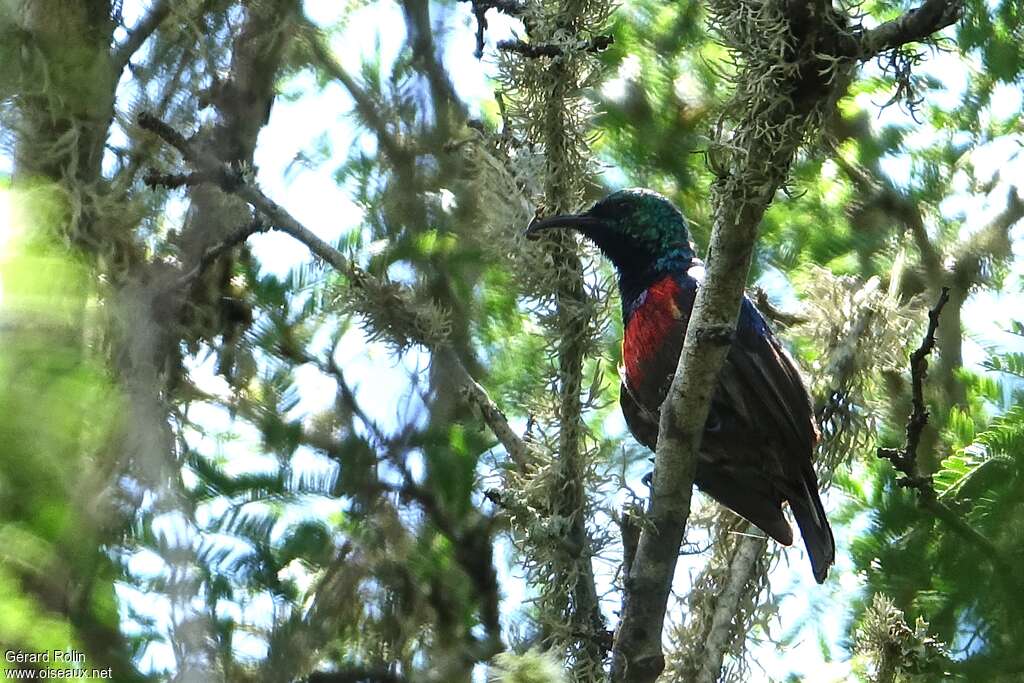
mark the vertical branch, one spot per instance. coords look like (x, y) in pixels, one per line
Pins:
(78, 105)
(446, 102)
(137, 36)
(545, 79)
(740, 196)
(742, 572)
(561, 193)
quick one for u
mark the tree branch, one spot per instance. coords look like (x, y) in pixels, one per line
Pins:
(637, 655)
(420, 38)
(569, 602)
(212, 253)
(149, 352)
(773, 312)
(905, 459)
(535, 50)
(517, 448)
(912, 27)
(158, 11)
(513, 8)
(896, 203)
(232, 181)
(740, 198)
(991, 242)
(742, 568)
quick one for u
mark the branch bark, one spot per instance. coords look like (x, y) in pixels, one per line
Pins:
(59, 130)
(742, 570)
(447, 106)
(161, 306)
(913, 27)
(512, 8)
(570, 602)
(773, 312)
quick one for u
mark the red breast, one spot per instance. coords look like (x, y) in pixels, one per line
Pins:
(656, 323)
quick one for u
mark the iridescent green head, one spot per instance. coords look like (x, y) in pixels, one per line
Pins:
(638, 230)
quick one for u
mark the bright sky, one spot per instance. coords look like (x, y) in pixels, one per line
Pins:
(311, 194)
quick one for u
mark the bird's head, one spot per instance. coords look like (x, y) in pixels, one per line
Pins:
(637, 230)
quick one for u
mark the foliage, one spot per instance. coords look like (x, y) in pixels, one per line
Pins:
(58, 409)
(884, 637)
(528, 667)
(230, 467)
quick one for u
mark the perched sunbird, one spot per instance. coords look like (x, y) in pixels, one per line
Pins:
(760, 433)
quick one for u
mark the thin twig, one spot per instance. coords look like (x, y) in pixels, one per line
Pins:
(742, 569)
(472, 546)
(229, 241)
(775, 314)
(535, 50)
(518, 450)
(365, 104)
(471, 541)
(905, 459)
(175, 181)
(420, 39)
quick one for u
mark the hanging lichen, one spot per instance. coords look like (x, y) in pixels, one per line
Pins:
(541, 163)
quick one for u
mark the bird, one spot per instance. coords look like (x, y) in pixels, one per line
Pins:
(757, 444)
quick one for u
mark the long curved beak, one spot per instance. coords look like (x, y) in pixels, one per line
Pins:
(580, 222)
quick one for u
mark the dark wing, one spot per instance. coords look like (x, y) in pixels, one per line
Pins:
(760, 434)
(762, 387)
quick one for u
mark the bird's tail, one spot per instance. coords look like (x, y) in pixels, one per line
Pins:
(814, 527)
